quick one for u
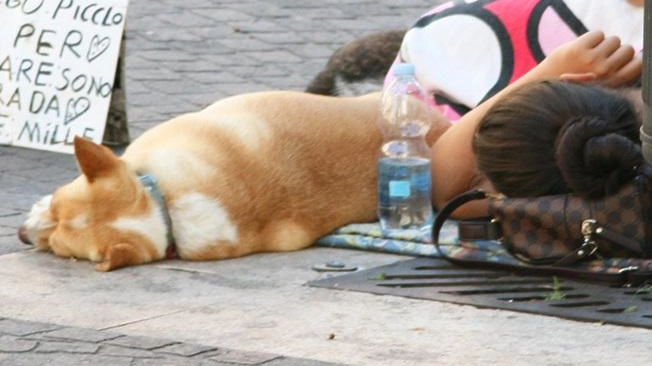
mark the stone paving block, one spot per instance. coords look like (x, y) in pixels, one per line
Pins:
(281, 38)
(24, 153)
(258, 26)
(119, 351)
(199, 3)
(245, 72)
(185, 349)
(146, 22)
(361, 26)
(284, 361)
(52, 173)
(11, 344)
(333, 12)
(136, 87)
(7, 230)
(145, 76)
(146, 116)
(278, 56)
(243, 358)
(67, 347)
(249, 43)
(151, 7)
(210, 362)
(7, 212)
(181, 84)
(12, 182)
(172, 34)
(164, 54)
(227, 15)
(14, 220)
(418, 5)
(216, 77)
(22, 202)
(145, 343)
(186, 18)
(10, 244)
(199, 65)
(61, 359)
(204, 49)
(221, 31)
(14, 163)
(301, 25)
(136, 63)
(235, 60)
(261, 7)
(170, 362)
(162, 113)
(81, 334)
(23, 328)
(155, 98)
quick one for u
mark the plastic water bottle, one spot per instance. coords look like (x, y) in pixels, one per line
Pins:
(404, 164)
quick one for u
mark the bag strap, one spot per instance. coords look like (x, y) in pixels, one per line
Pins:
(626, 275)
(448, 210)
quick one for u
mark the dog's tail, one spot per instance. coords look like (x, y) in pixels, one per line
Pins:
(364, 59)
(323, 83)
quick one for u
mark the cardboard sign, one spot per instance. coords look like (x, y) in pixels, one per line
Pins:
(57, 65)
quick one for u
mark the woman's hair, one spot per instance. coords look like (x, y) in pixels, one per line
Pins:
(556, 137)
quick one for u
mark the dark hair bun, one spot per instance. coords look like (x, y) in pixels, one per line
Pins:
(596, 157)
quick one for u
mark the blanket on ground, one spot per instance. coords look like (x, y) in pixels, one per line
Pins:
(419, 243)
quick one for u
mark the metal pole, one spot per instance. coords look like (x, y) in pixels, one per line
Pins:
(116, 133)
(646, 129)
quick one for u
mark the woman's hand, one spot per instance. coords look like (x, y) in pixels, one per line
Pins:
(594, 57)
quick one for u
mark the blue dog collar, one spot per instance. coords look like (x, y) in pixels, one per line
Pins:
(151, 185)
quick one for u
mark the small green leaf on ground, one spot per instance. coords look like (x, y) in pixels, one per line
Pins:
(644, 290)
(630, 309)
(556, 293)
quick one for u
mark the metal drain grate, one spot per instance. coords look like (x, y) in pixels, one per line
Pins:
(436, 279)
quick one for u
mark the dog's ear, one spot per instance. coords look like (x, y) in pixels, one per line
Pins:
(118, 256)
(94, 160)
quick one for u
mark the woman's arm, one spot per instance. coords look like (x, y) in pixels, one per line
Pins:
(591, 57)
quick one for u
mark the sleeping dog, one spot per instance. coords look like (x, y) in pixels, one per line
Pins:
(261, 172)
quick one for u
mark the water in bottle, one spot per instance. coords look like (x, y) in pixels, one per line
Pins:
(404, 163)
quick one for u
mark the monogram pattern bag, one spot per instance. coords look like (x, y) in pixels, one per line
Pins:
(561, 231)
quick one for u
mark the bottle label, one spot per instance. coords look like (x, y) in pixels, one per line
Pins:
(399, 188)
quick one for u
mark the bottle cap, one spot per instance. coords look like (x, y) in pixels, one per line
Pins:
(403, 69)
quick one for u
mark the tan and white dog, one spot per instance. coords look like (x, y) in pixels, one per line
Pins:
(259, 172)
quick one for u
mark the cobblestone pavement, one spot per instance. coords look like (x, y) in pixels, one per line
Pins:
(182, 55)
(25, 343)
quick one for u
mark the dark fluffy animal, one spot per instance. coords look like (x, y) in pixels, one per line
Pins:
(363, 60)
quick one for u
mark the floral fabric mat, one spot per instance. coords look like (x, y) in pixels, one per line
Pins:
(419, 243)
(370, 237)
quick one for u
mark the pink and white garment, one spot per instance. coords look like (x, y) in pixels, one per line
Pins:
(466, 51)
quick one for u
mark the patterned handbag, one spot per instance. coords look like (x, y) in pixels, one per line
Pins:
(559, 232)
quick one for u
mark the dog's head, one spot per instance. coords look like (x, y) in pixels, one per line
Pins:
(105, 215)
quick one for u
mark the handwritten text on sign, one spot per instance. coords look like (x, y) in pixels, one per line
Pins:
(57, 65)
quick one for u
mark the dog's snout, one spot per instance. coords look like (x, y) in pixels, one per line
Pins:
(22, 235)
